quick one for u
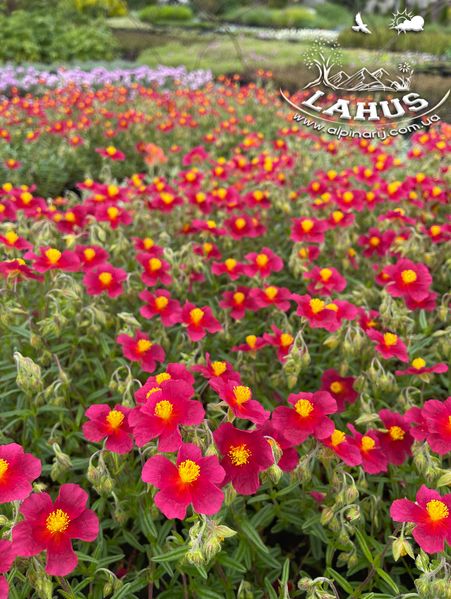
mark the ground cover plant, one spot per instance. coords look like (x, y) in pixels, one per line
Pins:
(224, 348)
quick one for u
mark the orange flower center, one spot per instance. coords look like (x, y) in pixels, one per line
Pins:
(242, 394)
(53, 255)
(11, 237)
(240, 223)
(337, 216)
(143, 345)
(271, 292)
(154, 264)
(161, 302)
(239, 454)
(435, 230)
(336, 387)
(307, 225)
(325, 274)
(437, 510)
(105, 278)
(208, 247)
(164, 409)
(390, 339)
(89, 254)
(396, 433)
(189, 471)
(111, 150)
(408, 276)
(262, 260)
(316, 305)
(367, 443)
(374, 241)
(148, 243)
(113, 212)
(163, 376)
(251, 340)
(230, 263)
(337, 437)
(239, 297)
(218, 368)
(418, 363)
(286, 339)
(196, 315)
(3, 467)
(57, 521)
(304, 408)
(115, 418)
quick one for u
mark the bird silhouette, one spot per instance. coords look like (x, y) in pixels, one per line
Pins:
(360, 26)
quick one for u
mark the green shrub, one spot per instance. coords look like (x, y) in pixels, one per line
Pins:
(433, 41)
(162, 14)
(331, 16)
(294, 16)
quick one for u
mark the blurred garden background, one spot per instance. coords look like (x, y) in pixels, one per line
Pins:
(244, 37)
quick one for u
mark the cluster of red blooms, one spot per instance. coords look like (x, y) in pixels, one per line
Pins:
(225, 203)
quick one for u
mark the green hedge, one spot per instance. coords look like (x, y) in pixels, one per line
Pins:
(293, 16)
(431, 41)
(49, 37)
(162, 14)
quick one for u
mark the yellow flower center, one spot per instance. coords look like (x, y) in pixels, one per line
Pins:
(348, 196)
(105, 278)
(3, 467)
(26, 197)
(112, 190)
(148, 243)
(304, 408)
(143, 345)
(115, 418)
(208, 247)
(218, 368)
(53, 255)
(303, 253)
(396, 433)
(262, 259)
(240, 223)
(307, 225)
(337, 437)
(337, 215)
(11, 237)
(251, 340)
(152, 391)
(325, 274)
(374, 241)
(189, 471)
(57, 521)
(239, 297)
(111, 150)
(271, 292)
(161, 302)
(332, 307)
(390, 339)
(286, 339)
(89, 254)
(408, 276)
(316, 305)
(437, 510)
(418, 363)
(163, 376)
(167, 198)
(242, 394)
(70, 217)
(163, 409)
(154, 264)
(367, 443)
(196, 315)
(435, 230)
(336, 387)
(239, 454)
(230, 263)
(113, 212)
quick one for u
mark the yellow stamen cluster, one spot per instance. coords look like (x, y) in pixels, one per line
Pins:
(163, 409)
(262, 260)
(242, 394)
(105, 278)
(408, 276)
(239, 454)
(189, 471)
(304, 408)
(316, 305)
(396, 433)
(307, 225)
(286, 340)
(437, 510)
(53, 255)
(154, 264)
(336, 387)
(337, 437)
(251, 340)
(239, 297)
(196, 315)
(143, 345)
(325, 274)
(57, 521)
(115, 418)
(161, 302)
(3, 467)
(390, 339)
(418, 363)
(163, 376)
(218, 368)
(367, 443)
(89, 254)
(271, 292)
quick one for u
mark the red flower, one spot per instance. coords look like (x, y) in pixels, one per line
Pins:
(252, 344)
(198, 321)
(388, 345)
(325, 280)
(340, 387)
(373, 456)
(165, 409)
(114, 215)
(91, 255)
(316, 311)
(50, 526)
(104, 279)
(431, 516)
(242, 226)
(239, 301)
(52, 259)
(418, 367)
(283, 342)
(408, 279)
(245, 455)
(437, 417)
(230, 267)
(110, 423)
(173, 372)
(279, 444)
(308, 229)
(111, 152)
(376, 242)
(140, 349)
(428, 303)
(216, 369)
(307, 417)
(155, 270)
(397, 441)
(17, 471)
(7, 557)
(263, 263)
(339, 443)
(193, 479)
(12, 240)
(17, 269)
(159, 303)
(239, 398)
(418, 427)
(272, 296)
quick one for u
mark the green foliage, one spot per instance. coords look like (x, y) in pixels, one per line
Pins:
(431, 41)
(110, 8)
(292, 16)
(163, 14)
(330, 16)
(43, 36)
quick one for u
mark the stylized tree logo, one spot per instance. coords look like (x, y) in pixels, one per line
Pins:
(323, 55)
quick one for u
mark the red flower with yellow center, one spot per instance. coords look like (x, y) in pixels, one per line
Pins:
(389, 345)
(373, 457)
(159, 303)
(52, 259)
(408, 279)
(239, 398)
(338, 442)
(198, 321)
(140, 349)
(397, 441)
(340, 387)
(104, 278)
(111, 424)
(262, 263)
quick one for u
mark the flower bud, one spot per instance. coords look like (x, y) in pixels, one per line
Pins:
(29, 378)
(326, 516)
(195, 557)
(275, 473)
(400, 548)
(229, 495)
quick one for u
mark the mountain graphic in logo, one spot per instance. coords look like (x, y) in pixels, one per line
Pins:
(365, 80)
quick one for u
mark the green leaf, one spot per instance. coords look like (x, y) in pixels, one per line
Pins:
(385, 577)
(331, 573)
(171, 556)
(270, 589)
(364, 546)
(253, 536)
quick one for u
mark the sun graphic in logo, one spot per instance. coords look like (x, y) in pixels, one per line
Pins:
(404, 21)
